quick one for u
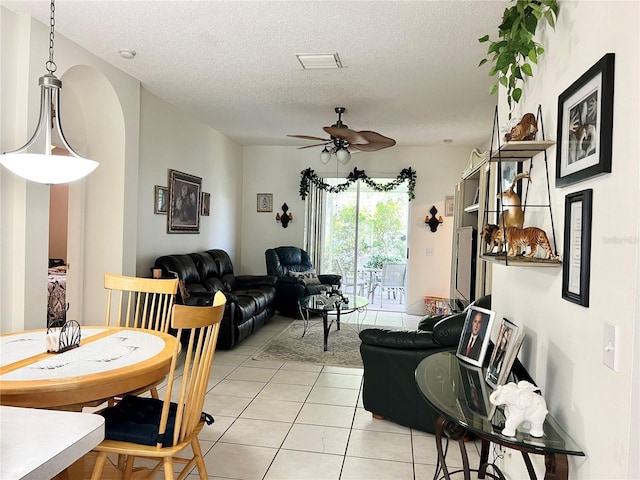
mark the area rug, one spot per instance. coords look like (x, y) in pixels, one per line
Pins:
(291, 346)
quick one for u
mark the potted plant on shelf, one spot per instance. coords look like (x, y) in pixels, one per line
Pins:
(515, 49)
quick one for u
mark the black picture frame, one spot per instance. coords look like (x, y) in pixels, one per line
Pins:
(576, 261)
(205, 204)
(160, 200)
(585, 125)
(184, 203)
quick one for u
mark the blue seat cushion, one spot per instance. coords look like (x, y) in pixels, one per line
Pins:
(137, 420)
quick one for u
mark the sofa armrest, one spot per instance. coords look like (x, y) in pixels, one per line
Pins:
(401, 339)
(447, 332)
(330, 279)
(247, 281)
(290, 281)
(428, 322)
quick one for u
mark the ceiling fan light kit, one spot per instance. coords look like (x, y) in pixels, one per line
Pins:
(47, 167)
(342, 138)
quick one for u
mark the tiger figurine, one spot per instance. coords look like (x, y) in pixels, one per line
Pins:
(527, 237)
(492, 235)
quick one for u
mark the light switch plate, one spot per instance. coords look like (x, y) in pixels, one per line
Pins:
(610, 346)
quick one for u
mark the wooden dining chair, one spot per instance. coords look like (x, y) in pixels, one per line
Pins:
(161, 429)
(135, 302)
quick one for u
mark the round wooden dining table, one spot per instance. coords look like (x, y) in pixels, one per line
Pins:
(110, 361)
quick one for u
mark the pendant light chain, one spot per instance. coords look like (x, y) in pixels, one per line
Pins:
(51, 65)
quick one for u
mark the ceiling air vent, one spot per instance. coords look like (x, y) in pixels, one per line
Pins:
(311, 61)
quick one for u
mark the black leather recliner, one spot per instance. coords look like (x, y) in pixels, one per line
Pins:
(390, 358)
(249, 297)
(281, 261)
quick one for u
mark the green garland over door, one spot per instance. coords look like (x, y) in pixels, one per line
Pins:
(308, 176)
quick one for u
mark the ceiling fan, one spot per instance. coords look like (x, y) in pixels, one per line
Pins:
(343, 138)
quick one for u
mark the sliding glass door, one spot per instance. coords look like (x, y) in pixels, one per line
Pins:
(363, 230)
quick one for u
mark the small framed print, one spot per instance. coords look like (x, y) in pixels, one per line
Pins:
(448, 206)
(160, 200)
(205, 204)
(585, 125)
(265, 202)
(475, 335)
(576, 261)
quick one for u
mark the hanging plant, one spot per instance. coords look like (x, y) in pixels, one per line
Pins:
(516, 48)
(308, 176)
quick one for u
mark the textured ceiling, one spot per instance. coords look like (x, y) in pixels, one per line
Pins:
(410, 67)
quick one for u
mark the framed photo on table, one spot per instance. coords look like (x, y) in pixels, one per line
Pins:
(576, 261)
(504, 353)
(475, 335)
(184, 203)
(585, 124)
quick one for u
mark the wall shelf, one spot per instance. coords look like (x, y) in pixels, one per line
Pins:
(520, 261)
(520, 151)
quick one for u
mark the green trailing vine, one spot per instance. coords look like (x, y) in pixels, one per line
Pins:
(515, 50)
(308, 176)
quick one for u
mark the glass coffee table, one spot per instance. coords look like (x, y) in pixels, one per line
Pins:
(329, 304)
(446, 384)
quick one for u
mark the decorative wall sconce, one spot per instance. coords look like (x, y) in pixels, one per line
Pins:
(433, 222)
(285, 218)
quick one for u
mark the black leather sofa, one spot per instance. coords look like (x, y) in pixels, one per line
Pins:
(250, 298)
(281, 261)
(390, 358)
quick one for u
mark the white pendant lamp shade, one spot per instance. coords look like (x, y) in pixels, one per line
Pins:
(325, 156)
(48, 169)
(343, 156)
(43, 166)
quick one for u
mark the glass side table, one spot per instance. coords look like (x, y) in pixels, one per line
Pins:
(325, 305)
(460, 395)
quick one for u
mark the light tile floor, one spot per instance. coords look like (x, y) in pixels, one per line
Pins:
(277, 420)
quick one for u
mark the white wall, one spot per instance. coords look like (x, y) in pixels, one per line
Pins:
(101, 119)
(170, 139)
(563, 350)
(277, 170)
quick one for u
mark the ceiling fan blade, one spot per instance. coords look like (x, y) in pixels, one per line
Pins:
(373, 142)
(314, 145)
(349, 135)
(308, 137)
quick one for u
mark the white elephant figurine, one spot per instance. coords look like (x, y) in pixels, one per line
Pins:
(521, 404)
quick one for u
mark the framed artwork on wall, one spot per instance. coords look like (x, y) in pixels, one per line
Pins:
(184, 203)
(585, 125)
(265, 202)
(448, 206)
(160, 200)
(206, 204)
(576, 261)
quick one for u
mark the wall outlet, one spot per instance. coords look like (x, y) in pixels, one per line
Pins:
(610, 346)
(431, 252)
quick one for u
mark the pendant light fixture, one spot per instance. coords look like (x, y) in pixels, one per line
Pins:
(45, 166)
